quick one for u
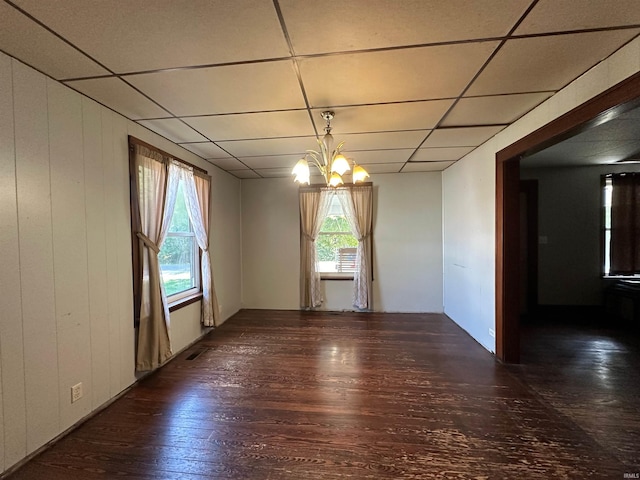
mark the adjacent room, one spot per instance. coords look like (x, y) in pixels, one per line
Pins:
(343, 239)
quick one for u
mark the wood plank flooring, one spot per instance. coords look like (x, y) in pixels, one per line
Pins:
(591, 374)
(307, 395)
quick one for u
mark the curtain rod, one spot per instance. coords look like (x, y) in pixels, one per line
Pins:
(133, 140)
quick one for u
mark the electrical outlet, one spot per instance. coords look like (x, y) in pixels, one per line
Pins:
(76, 392)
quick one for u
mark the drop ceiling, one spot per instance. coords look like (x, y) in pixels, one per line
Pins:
(415, 84)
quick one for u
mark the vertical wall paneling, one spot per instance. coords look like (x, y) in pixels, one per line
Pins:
(96, 250)
(121, 202)
(36, 255)
(113, 309)
(69, 250)
(12, 409)
(67, 313)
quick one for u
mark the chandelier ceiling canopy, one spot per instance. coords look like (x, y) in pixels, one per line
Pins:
(330, 161)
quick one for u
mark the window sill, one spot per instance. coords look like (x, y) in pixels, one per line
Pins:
(184, 301)
(336, 276)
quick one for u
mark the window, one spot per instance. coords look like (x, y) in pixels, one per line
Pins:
(621, 225)
(606, 199)
(336, 246)
(179, 256)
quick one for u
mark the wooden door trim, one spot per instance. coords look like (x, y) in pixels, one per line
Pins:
(609, 104)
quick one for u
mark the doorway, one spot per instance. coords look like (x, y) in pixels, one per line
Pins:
(607, 105)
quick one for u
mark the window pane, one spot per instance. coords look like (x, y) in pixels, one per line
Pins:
(176, 264)
(180, 220)
(179, 256)
(335, 245)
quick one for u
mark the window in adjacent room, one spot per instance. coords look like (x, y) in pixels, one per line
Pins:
(621, 225)
(336, 246)
(179, 256)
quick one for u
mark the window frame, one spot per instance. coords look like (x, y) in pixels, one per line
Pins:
(347, 275)
(334, 275)
(175, 303)
(195, 264)
(606, 181)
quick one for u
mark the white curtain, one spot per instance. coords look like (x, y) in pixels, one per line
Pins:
(157, 187)
(357, 204)
(196, 189)
(314, 205)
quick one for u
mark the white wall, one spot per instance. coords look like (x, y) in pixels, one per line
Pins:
(570, 217)
(407, 243)
(66, 310)
(469, 200)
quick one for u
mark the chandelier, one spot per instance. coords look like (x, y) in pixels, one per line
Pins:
(331, 163)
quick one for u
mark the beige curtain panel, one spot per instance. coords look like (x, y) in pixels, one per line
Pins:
(314, 205)
(357, 203)
(156, 199)
(197, 190)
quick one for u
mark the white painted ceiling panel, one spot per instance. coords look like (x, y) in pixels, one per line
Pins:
(231, 89)
(381, 24)
(173, 129)
(116, 94)
(546, 63)
(269, 146)
(273, 161)
(391, 76)
(426, 166)
(366, 157)
(206, 150)
(386, 117)
(43, 50)
(139, 35)
(460, 137)
(560, 15)
(254, 125)
(408, 80)
(440, 154)
(381, 141)
(497, 109)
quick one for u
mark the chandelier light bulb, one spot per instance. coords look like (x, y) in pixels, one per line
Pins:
(340, 164)
(359, 173)
(335, 180)
(329, 161)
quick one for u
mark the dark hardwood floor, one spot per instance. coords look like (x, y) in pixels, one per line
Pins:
(305, 395)
(590, 372)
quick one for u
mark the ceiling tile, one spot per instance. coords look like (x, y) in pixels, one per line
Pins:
(496, 109)
(227, 163)
(231, 89)
(271, 161)
(383, 168)
(119, 96)
(206, 150)
(440, 154)
(381, 141)
(137, 36)
(173, 129)
(409, 22)
(367, 157)
(269, 146)
(254, 125)
(392, 76)
(274, 172)
(546, 63)
(561, 15)
(43, 50)
(426, 166)
(460, 137)
(244, 173)
(386, 117)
